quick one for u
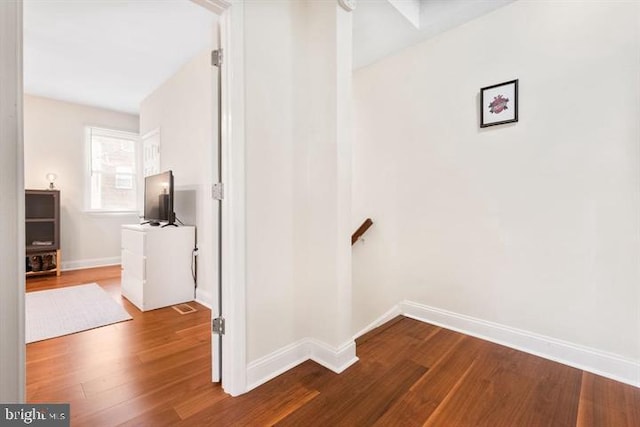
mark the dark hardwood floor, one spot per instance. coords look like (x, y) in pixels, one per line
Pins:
(155, 371)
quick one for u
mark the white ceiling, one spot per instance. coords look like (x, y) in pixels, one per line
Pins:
(109, 53)
(379, 29)
(113, 53)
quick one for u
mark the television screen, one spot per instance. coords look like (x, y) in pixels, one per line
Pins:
(158, 198)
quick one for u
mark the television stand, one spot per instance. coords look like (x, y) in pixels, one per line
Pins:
(167, 225)
(156, 265)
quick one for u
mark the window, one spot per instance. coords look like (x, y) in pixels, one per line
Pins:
(112, 183)
(124, 178)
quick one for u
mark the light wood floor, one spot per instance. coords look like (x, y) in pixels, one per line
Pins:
(155, 371)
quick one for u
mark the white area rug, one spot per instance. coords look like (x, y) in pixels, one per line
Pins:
(64, 311)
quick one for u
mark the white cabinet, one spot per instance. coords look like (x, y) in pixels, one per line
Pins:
(156, 265)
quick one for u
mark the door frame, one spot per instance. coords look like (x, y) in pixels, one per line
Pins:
(234, 366)
(12, 278)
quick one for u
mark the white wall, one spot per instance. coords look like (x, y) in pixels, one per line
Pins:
(270, 176)
(54, 141)
(12, 348)
(322, 140)
(533, 225)
(184, 111)
(297, 74)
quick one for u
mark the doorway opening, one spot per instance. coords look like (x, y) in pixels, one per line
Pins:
(201, 186)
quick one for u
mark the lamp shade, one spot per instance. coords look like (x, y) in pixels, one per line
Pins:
(51, 177)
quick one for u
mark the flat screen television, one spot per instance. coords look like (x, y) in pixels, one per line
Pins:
(158, 199)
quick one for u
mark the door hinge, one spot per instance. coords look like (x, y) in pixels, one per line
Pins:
(217, 191)
(216, 57)
(217, 325)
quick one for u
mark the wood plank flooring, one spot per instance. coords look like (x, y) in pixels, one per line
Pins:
(155, 371)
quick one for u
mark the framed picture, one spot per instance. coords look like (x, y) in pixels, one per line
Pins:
(499, 104)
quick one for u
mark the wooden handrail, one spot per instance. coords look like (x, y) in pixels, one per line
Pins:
(361, 230)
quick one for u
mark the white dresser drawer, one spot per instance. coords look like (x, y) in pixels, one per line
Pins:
(133, 264)
(133, 241)
(132, 289)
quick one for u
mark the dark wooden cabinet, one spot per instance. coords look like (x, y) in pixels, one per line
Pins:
(42, 231)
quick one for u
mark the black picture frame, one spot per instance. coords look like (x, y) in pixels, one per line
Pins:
(499, 104)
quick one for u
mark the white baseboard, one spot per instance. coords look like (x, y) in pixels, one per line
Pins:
(205, 298)
(335, 359)
(270, 366)
(581, 357)
(338, 359)
(387, 316)
(89, 263)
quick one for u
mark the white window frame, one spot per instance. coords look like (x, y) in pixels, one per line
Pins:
(114, 133)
